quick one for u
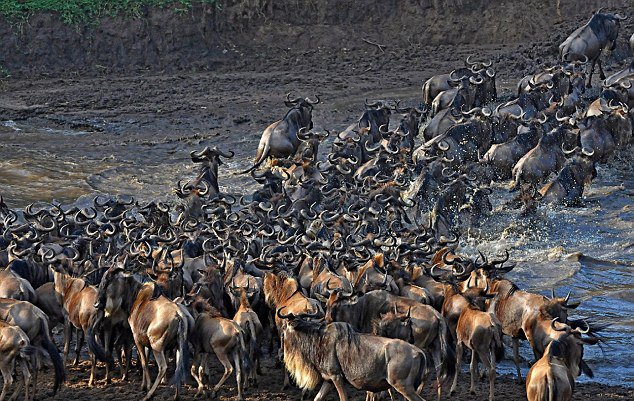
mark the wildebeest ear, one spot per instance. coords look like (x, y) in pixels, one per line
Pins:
(573, 305)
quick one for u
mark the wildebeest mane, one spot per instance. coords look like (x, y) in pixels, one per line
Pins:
(598, 24)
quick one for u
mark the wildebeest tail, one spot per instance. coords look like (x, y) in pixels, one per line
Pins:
(182, 357)
(447, 353)
(253, 344)
(244, 354)
(91, 340)
(498, 345)
(53, 352)
(260, 157)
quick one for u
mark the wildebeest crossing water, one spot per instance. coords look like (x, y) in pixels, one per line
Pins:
(585, 247)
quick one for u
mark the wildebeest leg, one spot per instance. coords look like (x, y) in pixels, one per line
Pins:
(326, 386)
(236, 362)
(589, 83)
(287, 380)
(108, 350)
(93, 365)
(198, 372)
(26, 375)
(489, 363)
(144, 368)
(226, 363)
(127, 351)
(601, 74)
(26, 381)
(435, 354)
(341, 390)
(67, 334)
(7, 376)
(408, 392)
(78, 345)
(458, 361)
(473, 370)
(159, 357)
(516, 359)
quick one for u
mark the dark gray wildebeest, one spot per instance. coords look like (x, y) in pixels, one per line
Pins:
(588, 42)
(336, 354)
(567, 188)
(429, 329)
(280, 139)
(438, 83)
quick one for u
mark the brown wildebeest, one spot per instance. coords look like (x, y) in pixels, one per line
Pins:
(78, 307)
(156, 322)
(337, 354)
(552, 377)
(248, 320)
(518, 310)
(34, 323)
(481, 332)
(224, 337)
(15, 347)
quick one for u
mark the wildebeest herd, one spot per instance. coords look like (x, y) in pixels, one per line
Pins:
(347, 265)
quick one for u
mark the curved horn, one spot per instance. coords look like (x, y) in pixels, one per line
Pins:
(223, 154)
(313, 102)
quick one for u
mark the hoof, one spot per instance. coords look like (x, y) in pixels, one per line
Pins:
(472, 392)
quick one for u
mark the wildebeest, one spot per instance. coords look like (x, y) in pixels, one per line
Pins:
(213, 333)
(156, 322)
(438, 83)
(14, 286)
(538, 163)
(248, 320)
(34, 323)
(567, 188)
(336, 354)
(518, 312)
(280, 138)
(429, 329)
(15, 349)
(588, 42)
(552, 377)
(481, 332)
(78, 299)
(502, 157)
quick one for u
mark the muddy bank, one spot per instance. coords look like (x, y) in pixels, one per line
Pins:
(264, 32)
(270, 388)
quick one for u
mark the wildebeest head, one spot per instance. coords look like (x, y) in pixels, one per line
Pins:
(569, 345)
(303, 107)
